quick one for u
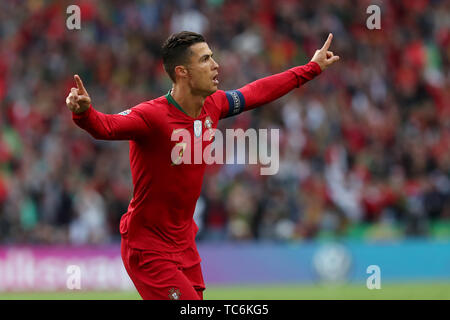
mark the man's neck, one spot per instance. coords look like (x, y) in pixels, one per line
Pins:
(191, 104)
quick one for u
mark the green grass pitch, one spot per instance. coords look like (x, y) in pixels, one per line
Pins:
(419, 291)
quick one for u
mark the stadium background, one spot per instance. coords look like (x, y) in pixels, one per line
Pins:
(364, 148)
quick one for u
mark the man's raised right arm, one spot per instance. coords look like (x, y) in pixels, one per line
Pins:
(127, 125)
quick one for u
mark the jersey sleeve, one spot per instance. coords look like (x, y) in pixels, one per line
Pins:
(264, 90)
(127, 125)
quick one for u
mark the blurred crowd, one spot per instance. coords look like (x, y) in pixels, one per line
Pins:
(364, 147)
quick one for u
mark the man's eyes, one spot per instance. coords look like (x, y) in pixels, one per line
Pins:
(206, 58)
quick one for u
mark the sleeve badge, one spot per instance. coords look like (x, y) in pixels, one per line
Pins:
(124, 113)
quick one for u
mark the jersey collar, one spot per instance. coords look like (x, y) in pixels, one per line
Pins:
(172, 101)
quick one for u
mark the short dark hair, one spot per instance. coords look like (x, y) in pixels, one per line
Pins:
(175, 50)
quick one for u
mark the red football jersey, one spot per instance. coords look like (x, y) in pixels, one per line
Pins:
(160, 214)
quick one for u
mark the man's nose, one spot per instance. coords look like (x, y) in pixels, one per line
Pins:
(215, 64)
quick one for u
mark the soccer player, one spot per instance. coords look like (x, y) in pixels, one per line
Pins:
(158, 230)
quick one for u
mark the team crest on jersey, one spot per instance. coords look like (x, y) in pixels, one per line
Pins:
(197, 128)
(208, 122)
(174, 294)
(208, 126)
(124, 113)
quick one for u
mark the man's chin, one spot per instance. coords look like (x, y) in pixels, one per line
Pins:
(205, 92)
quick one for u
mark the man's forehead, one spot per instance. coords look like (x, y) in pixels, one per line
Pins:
(200, 49)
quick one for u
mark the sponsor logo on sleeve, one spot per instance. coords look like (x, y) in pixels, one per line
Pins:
(124, 113)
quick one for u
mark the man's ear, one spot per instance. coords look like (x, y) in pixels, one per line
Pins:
(181, 71)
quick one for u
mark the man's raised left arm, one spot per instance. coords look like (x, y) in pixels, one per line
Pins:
(270, 88)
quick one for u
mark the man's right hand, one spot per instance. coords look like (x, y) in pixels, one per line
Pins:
(78, 99)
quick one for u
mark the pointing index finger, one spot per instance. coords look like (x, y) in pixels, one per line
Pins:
(80, 86)
(327, 43)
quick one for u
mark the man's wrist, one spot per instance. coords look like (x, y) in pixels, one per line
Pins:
(82, 114)
(316, 67)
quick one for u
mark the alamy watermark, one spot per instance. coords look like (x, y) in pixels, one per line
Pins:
(374, 280)
(74, 277)
(261, 149)
(73, 21)
(374, 20)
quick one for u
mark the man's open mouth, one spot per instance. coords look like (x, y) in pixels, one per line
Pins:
(216, 79)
